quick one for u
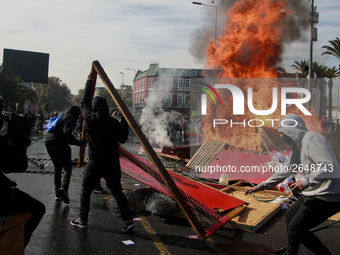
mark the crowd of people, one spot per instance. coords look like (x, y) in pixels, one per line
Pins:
(184, 128)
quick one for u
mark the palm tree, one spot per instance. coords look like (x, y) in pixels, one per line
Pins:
(302, 66)
(330, 74)
(334, 49)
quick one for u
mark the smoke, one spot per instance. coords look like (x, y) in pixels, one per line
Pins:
(154, 119)
(295, 24)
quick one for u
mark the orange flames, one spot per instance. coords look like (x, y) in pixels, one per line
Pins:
(249, 47)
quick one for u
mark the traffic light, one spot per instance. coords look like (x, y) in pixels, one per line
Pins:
(46, 107)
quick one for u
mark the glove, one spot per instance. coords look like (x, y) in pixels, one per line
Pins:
(82, 143)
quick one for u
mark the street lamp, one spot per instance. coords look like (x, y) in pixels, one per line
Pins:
(131, 70)
(199, 3)
(122, 77)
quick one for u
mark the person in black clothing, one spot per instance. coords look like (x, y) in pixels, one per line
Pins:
(13, 158)
(104, 135)
(58, 147)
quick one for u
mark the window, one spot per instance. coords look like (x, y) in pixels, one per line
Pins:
(180, 84)
(186, 101)
(169, 99)
(140, 98)
(187, 84)
(143, 86)
(163, 82)
(150, 83)
(169, 83)
(179, 99)
(143, 97)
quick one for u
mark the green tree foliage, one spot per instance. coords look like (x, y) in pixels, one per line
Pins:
(301, 66)
(55, 93)
(13, 93)
(76, 100)
(334, 49)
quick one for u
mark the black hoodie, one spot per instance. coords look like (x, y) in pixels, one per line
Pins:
(103, 132)
(65, 128)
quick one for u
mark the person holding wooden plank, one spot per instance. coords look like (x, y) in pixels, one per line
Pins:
(104, 135)
(319, 184)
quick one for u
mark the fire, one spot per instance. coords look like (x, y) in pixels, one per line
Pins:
(249, 47)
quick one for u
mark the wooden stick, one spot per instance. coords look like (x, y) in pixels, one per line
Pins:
(83, 133)
(195, 223)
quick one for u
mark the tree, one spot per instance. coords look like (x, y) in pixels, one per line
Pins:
(55, 93)
(12, 91)
(334, 49)
(301, 66)
(76, 100)
(330, 74)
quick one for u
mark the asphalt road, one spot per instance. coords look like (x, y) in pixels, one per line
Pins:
(152, 235)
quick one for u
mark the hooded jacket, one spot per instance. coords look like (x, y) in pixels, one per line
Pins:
(65, 128)
(103, 132)
(320, 168)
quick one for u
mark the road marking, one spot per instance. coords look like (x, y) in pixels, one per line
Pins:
(156, 240)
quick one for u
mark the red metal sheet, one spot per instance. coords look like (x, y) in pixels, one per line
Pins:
(239, 165)
(206, 195)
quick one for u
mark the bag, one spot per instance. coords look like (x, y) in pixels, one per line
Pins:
(52, 124)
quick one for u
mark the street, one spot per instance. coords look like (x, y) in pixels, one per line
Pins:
(152, 235)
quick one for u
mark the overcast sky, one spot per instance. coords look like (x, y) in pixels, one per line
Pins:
(127, 34)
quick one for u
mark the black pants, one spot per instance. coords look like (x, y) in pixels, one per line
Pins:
(307, 213)
(110, 171)
(16, 201)
(60, 154)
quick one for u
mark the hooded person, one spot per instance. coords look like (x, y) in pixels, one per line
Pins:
(104, 135)
(58, 147)
(319, 183)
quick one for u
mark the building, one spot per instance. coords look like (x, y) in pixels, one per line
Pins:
(170, 85)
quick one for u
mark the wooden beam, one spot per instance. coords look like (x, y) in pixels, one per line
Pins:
(83, 133)
(195, 223)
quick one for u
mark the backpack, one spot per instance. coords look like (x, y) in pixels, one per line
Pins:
(52, 124)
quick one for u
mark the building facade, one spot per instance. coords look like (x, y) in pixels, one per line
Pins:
(170, 86)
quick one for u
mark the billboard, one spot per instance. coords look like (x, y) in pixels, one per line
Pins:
(28, 65)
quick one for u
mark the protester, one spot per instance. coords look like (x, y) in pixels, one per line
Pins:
(58, 147)
(14, 159)
(104, 134)
(320, 184)
(324, 124)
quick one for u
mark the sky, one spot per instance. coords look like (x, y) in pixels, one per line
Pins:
(130, 34)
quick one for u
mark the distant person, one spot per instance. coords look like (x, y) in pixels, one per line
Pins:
(33, 119)
(319, 185)
(58, 147)
(324, 124)
(104, 135)
(13, 158)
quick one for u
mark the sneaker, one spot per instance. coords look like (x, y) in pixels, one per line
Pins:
(78, 223)
(100, 190)
(128, 226)
(58, 196)
(64, 194)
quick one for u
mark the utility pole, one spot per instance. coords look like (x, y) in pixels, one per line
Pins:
(313, 18)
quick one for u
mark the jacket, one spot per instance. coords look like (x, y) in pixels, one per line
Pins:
(104, 133)
(320, 168)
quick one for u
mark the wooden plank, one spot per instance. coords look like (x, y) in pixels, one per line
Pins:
(83, 133)
(257, 213)
(195, 223)
(171, 157)
(12, 233)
